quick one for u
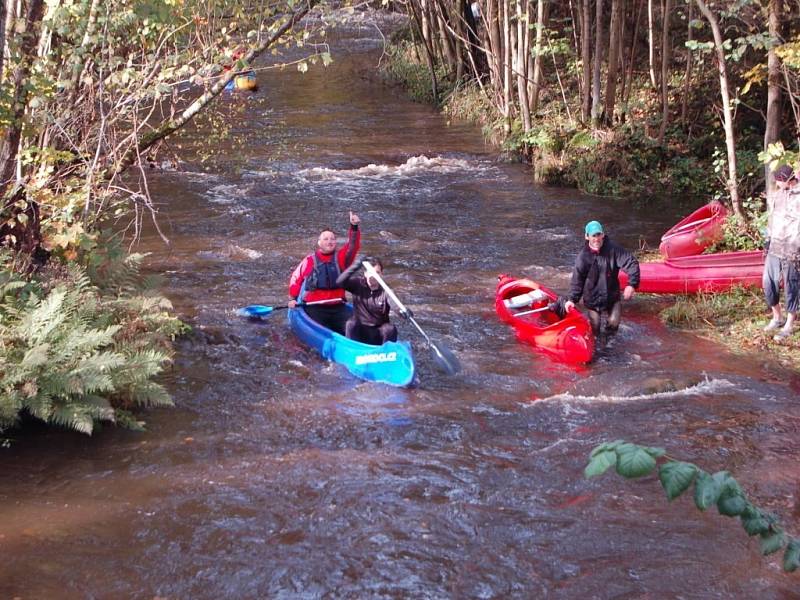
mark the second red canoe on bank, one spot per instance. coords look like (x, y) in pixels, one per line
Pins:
(695, 233)
(568, 339)
(703, 273)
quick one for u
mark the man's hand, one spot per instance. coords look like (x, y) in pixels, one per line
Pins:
(569, 305)
(627, 293)
(291, 303)
(406, 313)
(354, 219)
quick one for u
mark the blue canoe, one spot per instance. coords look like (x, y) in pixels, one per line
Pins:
(390, 363)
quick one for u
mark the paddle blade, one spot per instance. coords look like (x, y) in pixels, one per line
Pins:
(445, 359)
(255, 310)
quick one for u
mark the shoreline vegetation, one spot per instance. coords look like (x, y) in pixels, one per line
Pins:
(623, 157)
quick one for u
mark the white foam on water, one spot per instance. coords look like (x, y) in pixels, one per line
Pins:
(232, 252)
(709, 386)
(415, 165)
(226, 193)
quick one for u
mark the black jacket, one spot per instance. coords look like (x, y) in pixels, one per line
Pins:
(596, 275)
(370, 307)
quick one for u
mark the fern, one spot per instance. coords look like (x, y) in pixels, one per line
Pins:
(72, 354)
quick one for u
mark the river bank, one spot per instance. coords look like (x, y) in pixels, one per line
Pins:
(622, 162)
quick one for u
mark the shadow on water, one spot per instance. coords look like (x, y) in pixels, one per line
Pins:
(280, 476)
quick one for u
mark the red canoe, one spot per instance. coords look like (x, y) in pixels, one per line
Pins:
(695, 233)
(703, 273)
(568, 340)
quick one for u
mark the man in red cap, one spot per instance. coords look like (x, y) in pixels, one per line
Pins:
(595, 278)
(783, 251)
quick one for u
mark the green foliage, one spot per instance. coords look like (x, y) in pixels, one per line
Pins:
(721, 309)
(719, 489)
(404, 67)
(72, 355)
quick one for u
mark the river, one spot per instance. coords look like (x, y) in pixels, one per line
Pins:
(278, 475)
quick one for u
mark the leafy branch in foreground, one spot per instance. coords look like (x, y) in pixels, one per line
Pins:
(720, 489)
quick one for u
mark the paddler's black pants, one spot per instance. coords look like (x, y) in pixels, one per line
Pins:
(333, 317)
(614, 316)
(371, 335)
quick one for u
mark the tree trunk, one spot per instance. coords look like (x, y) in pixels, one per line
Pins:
(447, 42)
(3, 15)
(478, 56)
(665, 60)
(627, 82)
(537, 59)
(727, 113)
(651, 44)
(687, 76)
(426, 43)
(495, 46)
(523, 44)
(617, 10)
(772, 131)
(586, 59)
(507, 81)
(9, 143)
(597, 62)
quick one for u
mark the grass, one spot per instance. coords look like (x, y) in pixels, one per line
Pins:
(734, 319)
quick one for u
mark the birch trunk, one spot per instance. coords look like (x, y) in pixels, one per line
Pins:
(665, 59)
(727, 113)
(596, 64)
(586, 59)
(537, 59)
(617, 7)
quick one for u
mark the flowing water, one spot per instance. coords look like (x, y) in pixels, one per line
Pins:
(278, 475)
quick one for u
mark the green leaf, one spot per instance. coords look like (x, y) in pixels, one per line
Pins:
(791, 559)
(676, 477)
(772, 542)
(731, 504)
(634, 462)
(600, 463)
(656, 452)
(326, 58)
(605, 446)
(706, 490)
(753, 521)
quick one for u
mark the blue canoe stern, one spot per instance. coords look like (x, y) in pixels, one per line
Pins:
(391, 363)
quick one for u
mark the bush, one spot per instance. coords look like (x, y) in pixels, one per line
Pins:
(72, 355)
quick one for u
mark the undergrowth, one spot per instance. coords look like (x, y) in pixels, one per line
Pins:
(82, 343)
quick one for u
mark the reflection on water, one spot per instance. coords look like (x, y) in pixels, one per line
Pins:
(281, 476)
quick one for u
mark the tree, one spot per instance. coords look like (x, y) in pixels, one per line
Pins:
(727, 113)
(773, 124)
(96, 86)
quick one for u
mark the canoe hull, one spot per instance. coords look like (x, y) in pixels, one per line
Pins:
(392, 363)
(243, 82)
(698, 274)
(695, 233)
(569, 340)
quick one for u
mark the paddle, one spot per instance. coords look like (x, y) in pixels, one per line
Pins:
(259, 310)
(444, 358)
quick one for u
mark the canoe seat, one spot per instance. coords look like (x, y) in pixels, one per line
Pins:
(525, 299)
